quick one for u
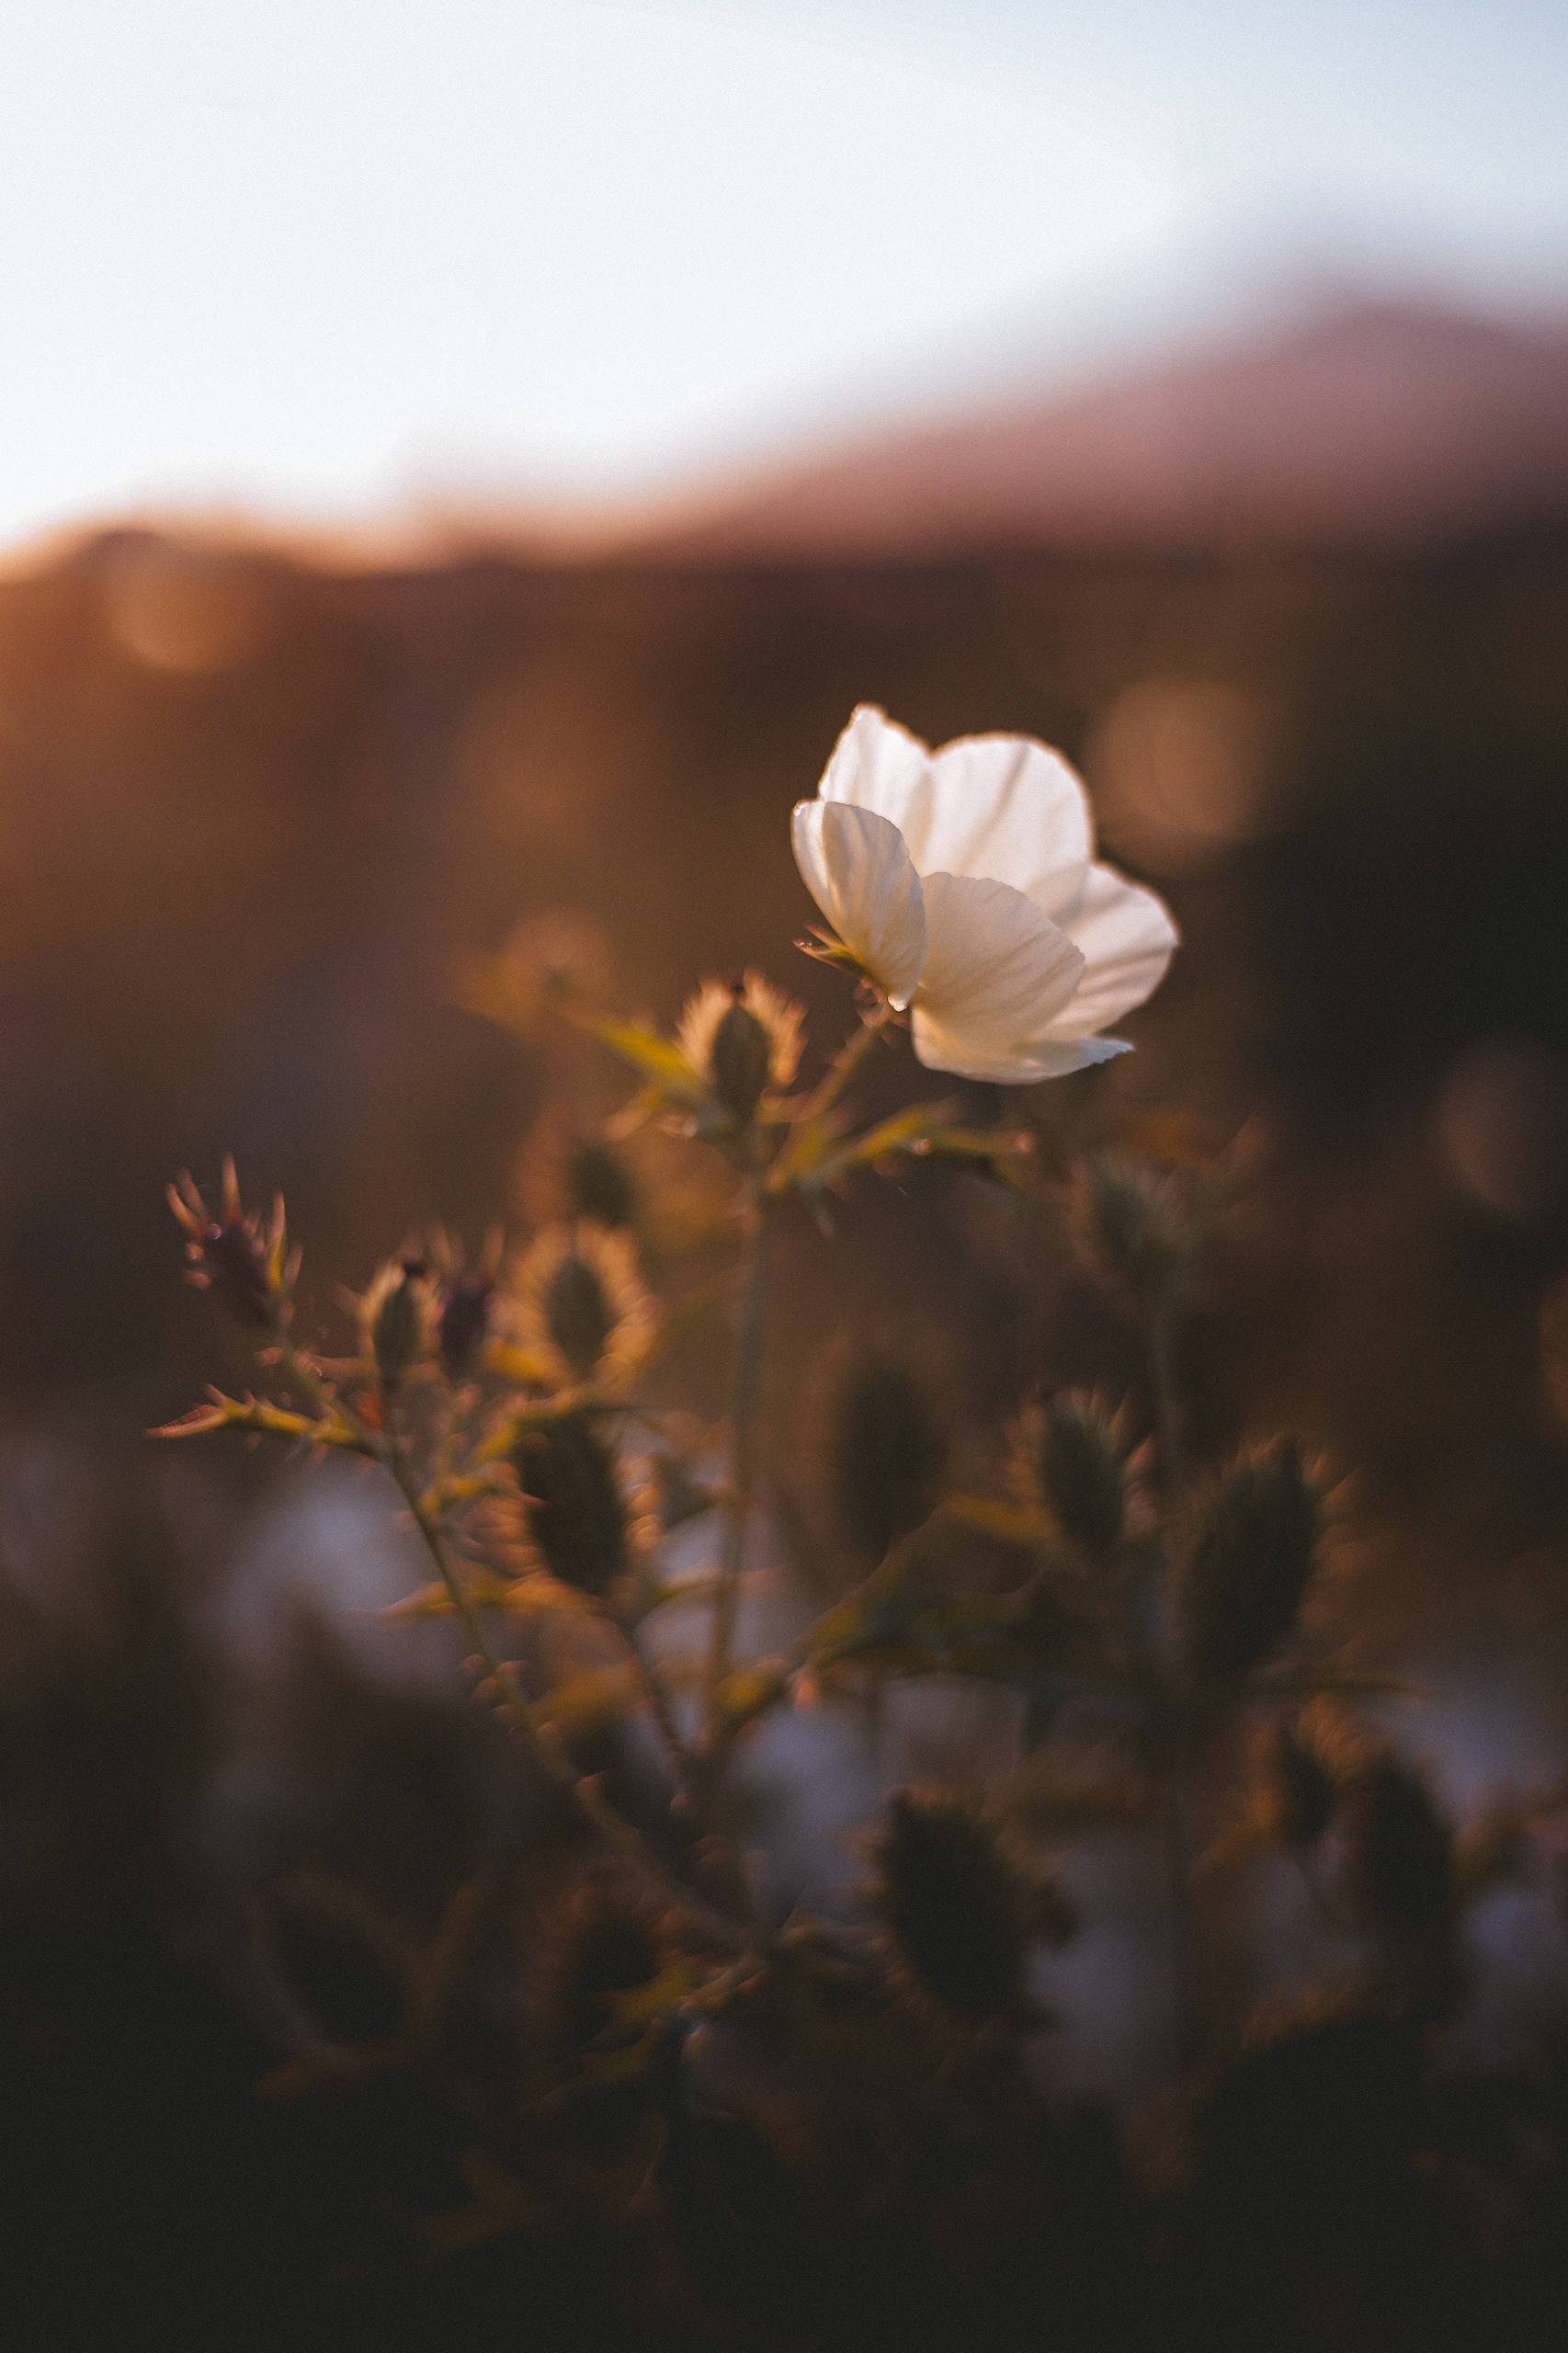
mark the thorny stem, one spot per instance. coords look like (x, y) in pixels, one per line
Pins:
(745, 1389)
(536, 1736)
(1179, 1835)
(1160, 1335)
(845, 1064)
(655, 1690)
(747, 1379)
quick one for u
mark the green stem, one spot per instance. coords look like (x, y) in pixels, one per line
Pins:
(323, 1402)
(1165, 1386)
(539, 1737)
(1164, 1383)
(744, 1390)
(1180, 1851)
(835, 1080)
(656, 1692)
(534, 1734)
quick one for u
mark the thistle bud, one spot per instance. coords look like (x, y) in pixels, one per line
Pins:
(577, 1312)
(962, 1913)
(1130, 1228)
(240, 1256)
(884, 1452)
(577, 1299)
(464, 1324)
(574, 1502)
(1242, 1584)
(1398, 1848)
(397, 1313)
(598, 1185)
(1072, 1456)
(1301, 1789)
(741, 1040)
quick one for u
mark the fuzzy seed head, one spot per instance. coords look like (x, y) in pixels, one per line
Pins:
(464, 1324)
(1132, 1230)
(885, 1453)
(1301, 1783)
(1398, 1847)
(578, 1300)
(574, 1504)
(1247, 1571)
(1072, 1457)
(961, 1911)
(743, 1042)
(599, 1188)
(397, 1314)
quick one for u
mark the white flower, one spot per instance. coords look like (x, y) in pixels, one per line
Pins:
(964, 881)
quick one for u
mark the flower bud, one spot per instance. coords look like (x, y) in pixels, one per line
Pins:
(739, 1062)
(574, 1504)
(741, 1041)
(464, 1324)
(598, 1185)
(238, 1255)
(1073, 1455)
(1245, 1574)
(1132, 1230)
(962, 1913)
(884, 1452)
(1398, 1848)
(397, 1314)
(1302, 1786)
(579, 1301)
(577, 1312)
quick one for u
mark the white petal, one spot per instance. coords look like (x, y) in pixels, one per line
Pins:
(876, 765)
(1052, 1059)
(1127, 939)
(997, 973)
(856, 869)
(1004, 807)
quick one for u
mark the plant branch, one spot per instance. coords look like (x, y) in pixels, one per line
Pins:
(1165, 1387)
(744, 1390)
(539, 1737)
(835, 1080)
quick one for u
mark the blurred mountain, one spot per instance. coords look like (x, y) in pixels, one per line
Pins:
(1387, 421)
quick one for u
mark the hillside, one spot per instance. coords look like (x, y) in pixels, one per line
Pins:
(1386, 422)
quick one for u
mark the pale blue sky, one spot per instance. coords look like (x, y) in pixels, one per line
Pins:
(312, 255)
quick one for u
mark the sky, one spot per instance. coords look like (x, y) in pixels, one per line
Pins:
(324, 258)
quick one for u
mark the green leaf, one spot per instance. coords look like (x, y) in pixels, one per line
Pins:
(523, 1367)
(750, 1691)
(257, 1414)
(823, 948)
(920, 1132)
(670, 1592)
(1001, 1151)
(1029, 1530)
(656, 1057)
(908, 1130)
(588, 1701)
(481, 1587)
